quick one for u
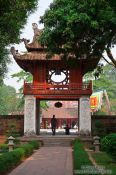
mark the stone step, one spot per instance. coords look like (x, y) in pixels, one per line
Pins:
(50, 141)
(55, 145)
(55, 141)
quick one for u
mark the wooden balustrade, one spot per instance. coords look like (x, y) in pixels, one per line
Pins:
(49, 89)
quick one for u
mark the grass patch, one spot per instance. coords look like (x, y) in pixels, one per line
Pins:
(103, 159)
(80, 155)
(81, 159)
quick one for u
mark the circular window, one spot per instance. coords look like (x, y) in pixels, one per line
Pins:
(58, 78)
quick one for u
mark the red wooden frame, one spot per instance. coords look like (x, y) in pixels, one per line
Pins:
(48, 91)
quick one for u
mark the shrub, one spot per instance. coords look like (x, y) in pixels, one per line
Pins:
(10, 159)
(3, 148)
(6, 162)
(34, 143)
(18, 155)
(108, 144)
(28, 149)
(16, 141)
(14, 134)
(99, 129)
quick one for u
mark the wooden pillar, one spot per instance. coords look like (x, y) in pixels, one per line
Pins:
(38, 113)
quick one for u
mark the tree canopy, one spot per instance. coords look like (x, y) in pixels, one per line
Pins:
(9, 102)
(13, 15)
(82, 28)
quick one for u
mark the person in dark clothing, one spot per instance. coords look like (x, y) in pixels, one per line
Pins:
(67, 130)
(53, 124)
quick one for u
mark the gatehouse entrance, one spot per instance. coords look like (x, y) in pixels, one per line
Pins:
(32, 124)
(66, 113)
(54, 78)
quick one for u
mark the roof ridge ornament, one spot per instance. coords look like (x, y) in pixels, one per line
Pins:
(35, 44)
(36, 30)
(14, 52)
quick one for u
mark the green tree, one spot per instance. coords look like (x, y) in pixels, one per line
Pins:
(8, 100)
(13, 16)
(80, 28)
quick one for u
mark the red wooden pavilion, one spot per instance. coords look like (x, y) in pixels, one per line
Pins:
(44, 68)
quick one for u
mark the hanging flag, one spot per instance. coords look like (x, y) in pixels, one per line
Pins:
(96, 101)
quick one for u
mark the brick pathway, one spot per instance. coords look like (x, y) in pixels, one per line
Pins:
(47, 161)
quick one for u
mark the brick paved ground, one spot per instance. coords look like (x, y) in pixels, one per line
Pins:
(47, 161)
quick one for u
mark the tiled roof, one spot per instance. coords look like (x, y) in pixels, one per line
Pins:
(36, 56)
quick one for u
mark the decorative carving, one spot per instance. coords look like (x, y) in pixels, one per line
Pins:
(37, 34)
(35, 43)
(14, 52)
(37, 31)
(26, 41)
(63, 73)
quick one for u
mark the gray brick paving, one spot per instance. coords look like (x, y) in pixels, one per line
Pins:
(47, 161)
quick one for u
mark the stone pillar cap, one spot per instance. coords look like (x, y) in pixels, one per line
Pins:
(11, 138)
(96, 137)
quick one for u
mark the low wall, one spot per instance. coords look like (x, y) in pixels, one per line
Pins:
(16, 122)
(108, 121)
(10, 123)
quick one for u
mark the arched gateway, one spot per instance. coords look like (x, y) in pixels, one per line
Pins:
(45, 87)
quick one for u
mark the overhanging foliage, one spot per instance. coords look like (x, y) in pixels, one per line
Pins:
(13, 16)
(82, 29)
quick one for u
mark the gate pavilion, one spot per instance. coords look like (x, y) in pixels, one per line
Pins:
(44, 68)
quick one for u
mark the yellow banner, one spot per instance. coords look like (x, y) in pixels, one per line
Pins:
(96, 100)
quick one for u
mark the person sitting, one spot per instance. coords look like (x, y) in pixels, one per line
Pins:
(67, 130)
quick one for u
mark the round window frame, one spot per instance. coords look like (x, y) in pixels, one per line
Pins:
(58, 82)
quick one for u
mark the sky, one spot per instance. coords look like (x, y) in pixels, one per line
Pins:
(27, 33)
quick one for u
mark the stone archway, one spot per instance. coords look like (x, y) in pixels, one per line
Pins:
(32, 115)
